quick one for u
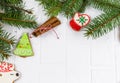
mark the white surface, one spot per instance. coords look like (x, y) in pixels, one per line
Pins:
(72, 58)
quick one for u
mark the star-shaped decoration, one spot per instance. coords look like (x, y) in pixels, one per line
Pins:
(82, 20)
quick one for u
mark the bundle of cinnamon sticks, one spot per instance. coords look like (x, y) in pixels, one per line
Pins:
(48, 25)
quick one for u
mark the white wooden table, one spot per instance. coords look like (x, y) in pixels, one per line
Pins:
(70, 59)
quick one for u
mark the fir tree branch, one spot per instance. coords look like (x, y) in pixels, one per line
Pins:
(66, 7)
(12, 1)
(14, 7)
(72, 3)
(103, 24)
(3, 55)
(83, 7)
(6, 43)
(5, 37)
(72, 7)
(105, 5)
(8, 9)
(26, 21)
(17, 20)
(52, 9)
(6, 40)
(12, 13)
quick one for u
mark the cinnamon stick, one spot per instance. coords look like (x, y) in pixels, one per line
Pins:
(48, 25)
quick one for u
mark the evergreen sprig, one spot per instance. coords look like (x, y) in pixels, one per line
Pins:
(15, 15)
(6, 44)
(84, 5)
(53, 7)
(71, 6)
(105, 5)
(13, 7)
(100, 25)
(107, 21)
(25, 21)
(66, 7)
(12, 12)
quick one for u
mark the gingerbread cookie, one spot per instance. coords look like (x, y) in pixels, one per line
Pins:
(79, 21)
(7, 73)
(24, 48)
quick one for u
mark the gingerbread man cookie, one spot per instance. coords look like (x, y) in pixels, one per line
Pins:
(7, 73)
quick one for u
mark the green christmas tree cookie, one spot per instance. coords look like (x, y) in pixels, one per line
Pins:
(24, 48)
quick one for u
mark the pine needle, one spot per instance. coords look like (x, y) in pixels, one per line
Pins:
(102, 24)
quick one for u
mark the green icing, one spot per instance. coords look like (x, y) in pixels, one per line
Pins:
(24, 48)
